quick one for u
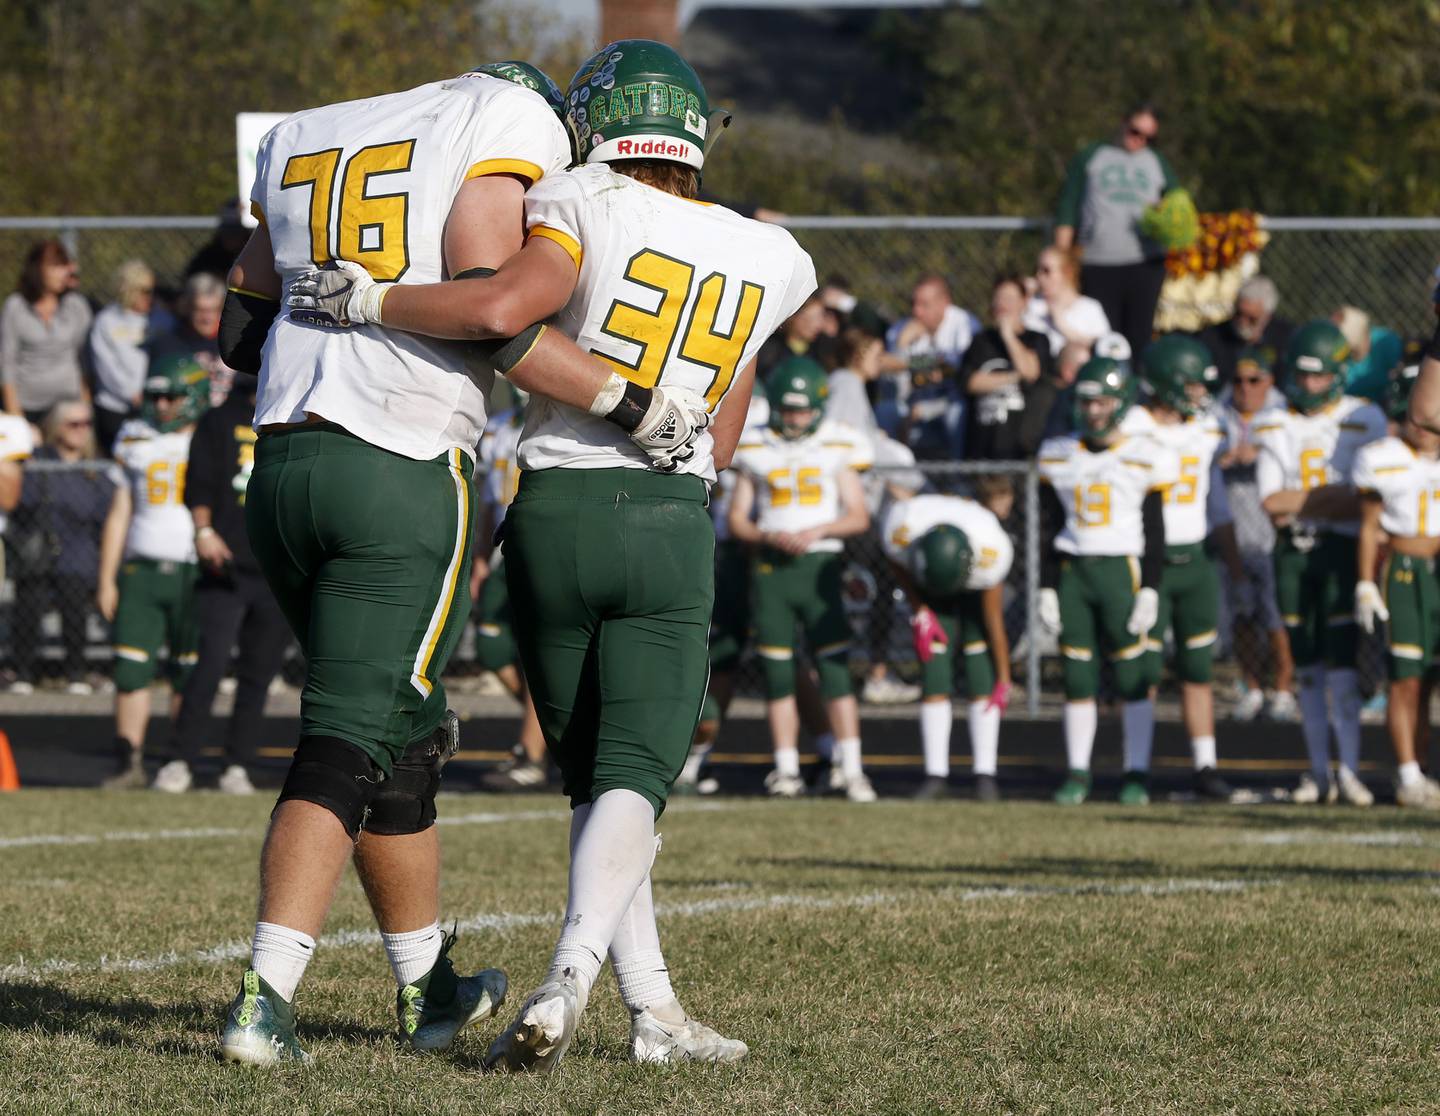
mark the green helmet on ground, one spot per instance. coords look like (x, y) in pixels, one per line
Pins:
(1316, 348)
(1103, 378)
(940, 561)
(181, 377)
(797, 383)
(638, 99)
(1171, 366)
(531, 77)
(1397, 395)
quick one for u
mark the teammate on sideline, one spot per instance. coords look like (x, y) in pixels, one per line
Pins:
(611, 563)
(147, 554)
(1306, 453)
(1178, 374)
(1101, 576)
(359, 506)
(804, 470)
(952, 556)
(1398, 479)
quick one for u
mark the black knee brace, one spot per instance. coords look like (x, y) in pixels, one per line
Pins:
(406, 803)
(337, 775)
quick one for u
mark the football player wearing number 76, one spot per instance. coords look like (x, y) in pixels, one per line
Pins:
(611, 563)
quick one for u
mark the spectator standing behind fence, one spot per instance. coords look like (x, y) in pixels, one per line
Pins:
(929, 346)
(1258, 638)
(233, 605)
(196, 333)
(1107, 188)
(1008, 375)
(1375, 352)
(217, 254)
(1252, 325)
(117, 348)
(1059, 310)
(43, 327)
(796, 336)
(55, 541)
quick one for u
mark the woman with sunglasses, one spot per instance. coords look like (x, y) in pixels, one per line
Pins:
(1059, 310)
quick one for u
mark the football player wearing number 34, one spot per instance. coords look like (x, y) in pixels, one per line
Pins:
(610, 562)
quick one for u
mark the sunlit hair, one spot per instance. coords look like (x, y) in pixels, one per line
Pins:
(54, 421)
(200, 285)
(673, 178)
(132, 279)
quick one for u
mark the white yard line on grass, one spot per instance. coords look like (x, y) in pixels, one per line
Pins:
(502, 921)
(1380, 838)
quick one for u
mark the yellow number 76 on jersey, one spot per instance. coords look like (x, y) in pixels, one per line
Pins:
(372, 227)
(703, 341)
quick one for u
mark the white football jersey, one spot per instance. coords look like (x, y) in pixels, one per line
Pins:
(17, 442)
(1102, 491)
(669, 291)
(372, 181)
(724, 489)
(797, 482)
(1192, 501)
(498, 461)
(160, 525)
(1299, 451)
(1408, 484)
(909, 520)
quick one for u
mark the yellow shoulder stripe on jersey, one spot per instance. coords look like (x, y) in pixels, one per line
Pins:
(1137, 464)
(1391, 469)
(523, 167)
(838, 445)
(253, 294)
(258, 213)
(564, 239)
(1053, 460)
(1266, 428)
(15, 456)
(860, 468)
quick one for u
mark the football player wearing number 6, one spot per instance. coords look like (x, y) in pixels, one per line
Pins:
(359, 509)
(147, 553)
(610, 560)
(1307, 451)
(803, 472)
(1398, 479)
(1100, 579)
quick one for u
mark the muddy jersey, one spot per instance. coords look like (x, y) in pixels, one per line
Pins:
(1102, 491)
(1408, 484)
(991, 550)
(1299, 451)
(797, 481)
(160, 525)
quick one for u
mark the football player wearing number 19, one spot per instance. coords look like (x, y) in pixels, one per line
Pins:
(359, 507)
(610, 562)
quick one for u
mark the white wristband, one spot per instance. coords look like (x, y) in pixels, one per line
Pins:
(365, 307)
(609, 396)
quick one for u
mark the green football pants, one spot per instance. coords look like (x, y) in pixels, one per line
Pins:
(801, 590)
(1190, 601)
(494, 628)
(368, 554)
(1315, 588)
(612, 575)
(964, 625)
(1412, 597)
(155, 610)
(1096, 596)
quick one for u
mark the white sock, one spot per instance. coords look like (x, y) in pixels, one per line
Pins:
(1344, 689)
(279, 955)
(1314, 721)
(825, 745)
(1080, 721)
(1139, 734)
(635, 955)
(413, 953)
(787, 761)
(849, 749)
(1203, 749)
(1410, 774)
(936, 717)
(984, 737)
(694, 761)
(613, 846)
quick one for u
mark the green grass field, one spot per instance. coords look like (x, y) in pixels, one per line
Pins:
(892, 958)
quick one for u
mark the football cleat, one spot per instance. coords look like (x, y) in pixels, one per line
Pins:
(1352, 791)
(173, 778)
(1209, 784)
(784, 786)
(886, 690)
(542, 1031)
(933, 789)
(235, 780)
(131, 775)
(1249, 705)
(518, 775)
(260, 1027)
(656, 1041)
(1424, 795)
(438, 1006)
(858, 789)
(1135, 789)
(987, 788)
(1309, 791)
(1075, 789)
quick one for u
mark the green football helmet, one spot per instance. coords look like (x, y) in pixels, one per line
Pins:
(1397, 395)
(1171, 366)
(181, 377)
(797, 383)
(1259, 357)
(1103, 378)
(531, 77)
(940, 561)
(1316, 347)
(638, 99)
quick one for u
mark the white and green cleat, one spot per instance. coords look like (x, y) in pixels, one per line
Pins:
(542, 1031)
(440, 1005)
(654, 1040)
(260, 1028)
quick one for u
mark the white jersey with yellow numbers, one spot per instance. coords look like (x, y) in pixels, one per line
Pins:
(670, 291)
(1408, 484)
(1191, 502)
(990, 547)
(797, 481)
(160, 525)
(1300, 452)
(17, 442)
(498, 460)
(373, 181)
(723, 491)
(1102, 491)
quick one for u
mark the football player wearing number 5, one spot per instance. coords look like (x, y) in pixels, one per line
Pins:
(1101, 577)
(1178, 375)
(147, 554)
(609, 551)
(952, 556)
(1398, 479)
(1307, 451)
(803, 472)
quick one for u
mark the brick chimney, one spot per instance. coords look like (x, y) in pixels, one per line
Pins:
(639, 19)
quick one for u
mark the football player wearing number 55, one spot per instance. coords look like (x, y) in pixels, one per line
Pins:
(1307, 451)
(609, 552)
(1100, 579)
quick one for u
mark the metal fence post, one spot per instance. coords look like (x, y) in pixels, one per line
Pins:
(1032, 591)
